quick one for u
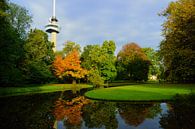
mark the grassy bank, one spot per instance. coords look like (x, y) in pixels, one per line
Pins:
(141, 92)
(13, 91)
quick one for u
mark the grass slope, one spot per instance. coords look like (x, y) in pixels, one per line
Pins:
(13, 91)
(141, 92)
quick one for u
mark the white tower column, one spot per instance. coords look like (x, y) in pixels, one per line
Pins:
(53, 27)
(53, 40)
(54, 8)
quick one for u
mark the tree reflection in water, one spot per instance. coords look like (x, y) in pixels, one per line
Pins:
(27, 111)
(181, 114)
(70, 111)
(38, 112)
(135, 114)
(100, 114)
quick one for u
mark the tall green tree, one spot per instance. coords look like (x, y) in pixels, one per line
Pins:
(100, 60)
(38, 57)
(90, 60)
(10, 48)
(108, 70)
(178, 47)
(91, 57)
(20, 19)
(132, 63)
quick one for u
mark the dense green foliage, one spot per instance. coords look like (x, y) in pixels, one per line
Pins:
(100, 60)
(108, 70)
(141, 92)
(20, 19)
(24, 58)
(132, 63)
(10, 48)
(178, 47)
(90, 57)
(95, 78)
(38, 57)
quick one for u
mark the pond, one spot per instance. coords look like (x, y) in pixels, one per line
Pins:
(68, 110)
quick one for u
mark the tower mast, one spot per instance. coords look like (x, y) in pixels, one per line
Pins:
(54, 8)
(53, 27)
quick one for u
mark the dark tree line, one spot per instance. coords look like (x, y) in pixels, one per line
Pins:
(25, 56)
(178, 47)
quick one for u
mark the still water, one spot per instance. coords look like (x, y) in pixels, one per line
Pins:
(68, 110)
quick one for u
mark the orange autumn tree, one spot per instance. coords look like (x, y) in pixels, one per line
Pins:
(69, 66)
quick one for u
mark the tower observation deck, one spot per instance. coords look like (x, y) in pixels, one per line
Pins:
(53, 27)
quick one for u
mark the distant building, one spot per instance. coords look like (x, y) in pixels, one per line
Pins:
(153, 77)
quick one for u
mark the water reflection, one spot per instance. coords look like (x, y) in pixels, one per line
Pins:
(73, 111)
(103, 114)
(100, 114)
(135, 114)
(181, 114)
(70, 111)
(27, 111)
(120, 115)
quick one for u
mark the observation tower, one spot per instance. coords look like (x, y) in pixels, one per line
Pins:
(53, 27)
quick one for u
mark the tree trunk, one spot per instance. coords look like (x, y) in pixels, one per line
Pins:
(74, 87)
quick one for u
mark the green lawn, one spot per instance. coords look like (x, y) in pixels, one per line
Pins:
(13, 91)
(141, 92)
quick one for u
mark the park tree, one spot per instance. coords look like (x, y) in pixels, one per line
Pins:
(92, 62)
(10, 48)
(108, 70)
(132, 63)
(20, 19)
(69, 67)
(91, 57)
(38, 57)
(177, 48)
(100, 60)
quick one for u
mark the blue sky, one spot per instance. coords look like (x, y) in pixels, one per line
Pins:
(93, 21)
